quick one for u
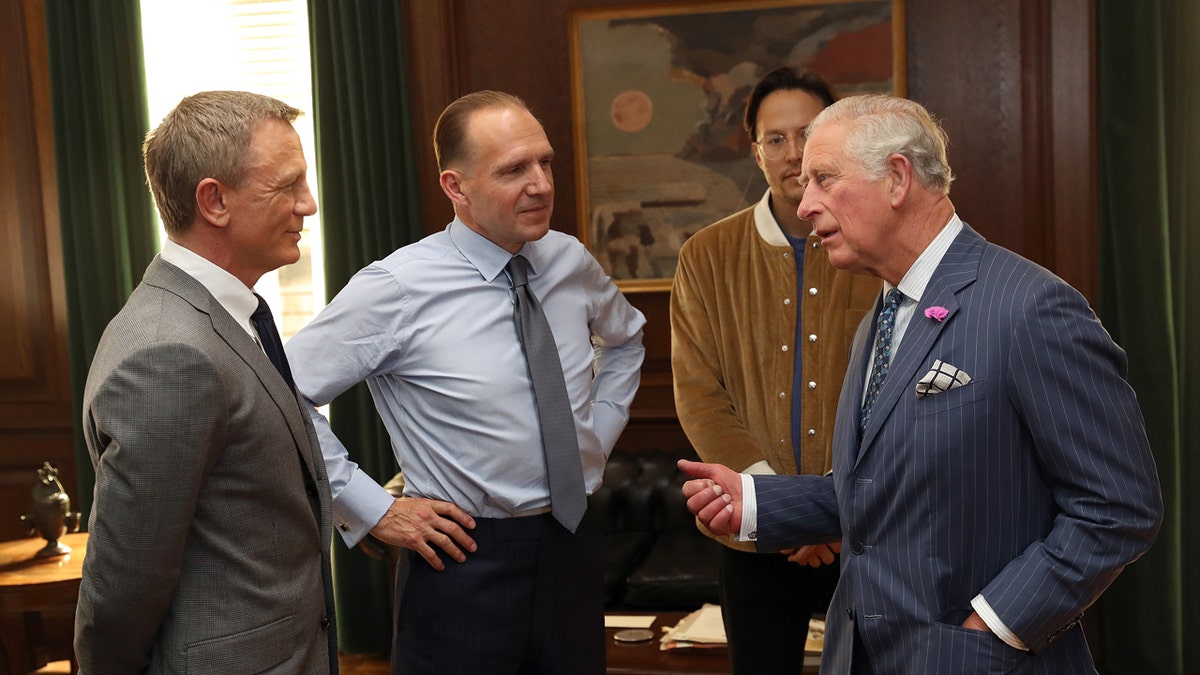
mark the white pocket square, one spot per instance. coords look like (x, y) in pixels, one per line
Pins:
(942, 377)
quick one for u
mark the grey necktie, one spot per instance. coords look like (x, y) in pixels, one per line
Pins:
(568, 499)
(883, 355)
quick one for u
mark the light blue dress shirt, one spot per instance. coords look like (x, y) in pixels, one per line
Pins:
(430, 328)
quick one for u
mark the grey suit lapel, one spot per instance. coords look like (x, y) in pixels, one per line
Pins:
(957, 270)
(170, 278)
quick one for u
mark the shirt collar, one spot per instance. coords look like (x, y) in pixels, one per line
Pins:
(488, 258)
(765, 224)
(913, 284)
(227, 289)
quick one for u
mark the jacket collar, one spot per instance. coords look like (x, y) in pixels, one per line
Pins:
(957, 270)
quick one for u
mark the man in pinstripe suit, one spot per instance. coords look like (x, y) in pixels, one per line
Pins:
(991, 473)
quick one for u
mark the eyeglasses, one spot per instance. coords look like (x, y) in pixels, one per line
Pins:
(775, 146)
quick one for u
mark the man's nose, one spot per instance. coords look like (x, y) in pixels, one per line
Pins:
(807, 207)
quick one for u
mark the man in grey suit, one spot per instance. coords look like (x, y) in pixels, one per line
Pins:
(210, 531)
(991, 473)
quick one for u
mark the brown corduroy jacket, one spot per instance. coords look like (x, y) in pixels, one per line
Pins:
(733, 333)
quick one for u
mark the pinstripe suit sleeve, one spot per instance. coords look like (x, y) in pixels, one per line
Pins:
(795, 511)
(1066, 381)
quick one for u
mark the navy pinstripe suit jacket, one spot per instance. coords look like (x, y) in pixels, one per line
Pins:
(1033, 485)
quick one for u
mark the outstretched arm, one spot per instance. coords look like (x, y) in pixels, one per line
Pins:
(714, 496)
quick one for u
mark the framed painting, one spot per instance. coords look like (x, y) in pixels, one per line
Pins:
(658, 94)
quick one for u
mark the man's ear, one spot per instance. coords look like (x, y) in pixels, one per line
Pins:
(899, 176)
(452, 184)
(210, 202)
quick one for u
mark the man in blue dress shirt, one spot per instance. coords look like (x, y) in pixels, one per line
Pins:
(488, 580)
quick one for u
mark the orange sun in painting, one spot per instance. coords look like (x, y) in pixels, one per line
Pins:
(632, 110)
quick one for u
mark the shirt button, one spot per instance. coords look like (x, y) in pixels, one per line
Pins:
(784, 348)
(787, 255)
(812, 338)
(812, 291)
(816, 244)
(812, 385)
(783, 394)
(325, 622)
(781, 441)
(787, 301)
(812, 432)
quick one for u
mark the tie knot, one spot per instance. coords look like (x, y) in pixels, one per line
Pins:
(263, 312)
(893, 299)
(518, 270)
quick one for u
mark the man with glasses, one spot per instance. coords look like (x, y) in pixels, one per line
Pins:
(760, 330)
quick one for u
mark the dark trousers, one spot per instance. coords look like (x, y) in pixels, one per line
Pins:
(766, 603)
(528, 601)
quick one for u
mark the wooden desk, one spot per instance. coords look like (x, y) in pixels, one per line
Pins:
(645, 658)
(32, 591)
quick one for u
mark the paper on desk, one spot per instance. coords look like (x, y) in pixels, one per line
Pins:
(703, 626)
(628, 620)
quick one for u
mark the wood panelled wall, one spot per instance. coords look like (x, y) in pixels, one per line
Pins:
(35, 398)
(1012, 81)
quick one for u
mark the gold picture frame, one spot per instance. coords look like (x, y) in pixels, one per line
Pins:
(657, 98)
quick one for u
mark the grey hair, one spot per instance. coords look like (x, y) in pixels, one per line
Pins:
(208, 135)
(878, 126)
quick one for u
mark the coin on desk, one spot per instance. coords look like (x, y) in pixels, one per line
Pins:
(634, 635)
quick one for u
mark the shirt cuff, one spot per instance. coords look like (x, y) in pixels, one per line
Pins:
(359, 507)
(989, 616)
(749, 531)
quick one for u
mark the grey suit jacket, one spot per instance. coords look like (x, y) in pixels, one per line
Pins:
(1033, 485)
(210, 531)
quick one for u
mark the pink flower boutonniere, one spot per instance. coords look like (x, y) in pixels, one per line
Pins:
(937, 313)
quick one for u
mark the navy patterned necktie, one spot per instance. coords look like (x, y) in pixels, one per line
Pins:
(268, 335)
(568, 498)
(883, 355)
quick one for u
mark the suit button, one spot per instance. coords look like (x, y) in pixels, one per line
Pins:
(850, 613)
(857, 548)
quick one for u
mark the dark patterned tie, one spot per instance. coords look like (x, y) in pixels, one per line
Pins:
(264, 324)
(268, 334)
(883, 355)
(568, 499)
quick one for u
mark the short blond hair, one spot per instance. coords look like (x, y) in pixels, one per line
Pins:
(208, 135)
